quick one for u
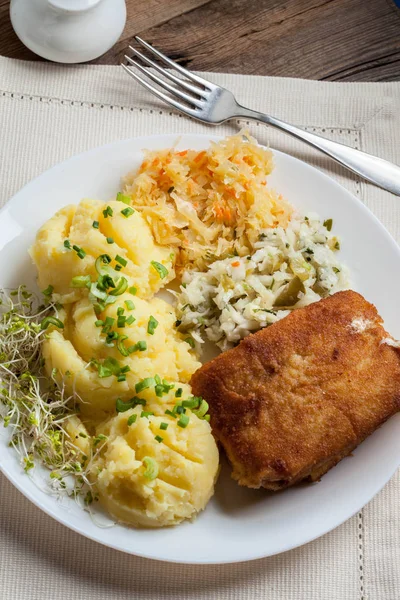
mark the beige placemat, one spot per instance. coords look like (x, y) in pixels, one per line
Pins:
(50, 112)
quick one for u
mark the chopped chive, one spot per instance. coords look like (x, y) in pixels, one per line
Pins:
(121, 321)
(131, 319)
(192, 402)
(158, 438)
(202, 410)
(48, 291)
(190, 341)
(99, 323)
(121, 287)
(127, 212)
(159, 389)
(146, 414)
(170, 413)
(178, 393)
(120, 311)
(118, 268)
(120, 345)
(125, 369)
(157, 379)
(80, 281)
(163, 426)
(328, 224)
(161, 270)
(108, 212)
(95, 224)
(183, 421)
(122, 198)
(144, 384)
(51, 321)
(129, 305)
(110, 240)
(152, 325)
(133, 290)
(124, 406)
(132, 420)
(180, 409)
(67, 244)
(142, 345)
(121, 260)
(104, 371)
(121, 378)
(151, 465)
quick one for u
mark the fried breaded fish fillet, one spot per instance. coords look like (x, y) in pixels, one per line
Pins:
(292, 400)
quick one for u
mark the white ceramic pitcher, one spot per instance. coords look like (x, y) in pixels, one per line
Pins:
(68, 31)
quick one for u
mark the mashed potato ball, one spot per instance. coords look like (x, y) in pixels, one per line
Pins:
(79, 351)
(151, 472)
(130, 238)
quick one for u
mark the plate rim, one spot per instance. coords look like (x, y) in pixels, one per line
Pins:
(16, 481)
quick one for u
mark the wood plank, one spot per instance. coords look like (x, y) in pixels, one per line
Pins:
(337, 40)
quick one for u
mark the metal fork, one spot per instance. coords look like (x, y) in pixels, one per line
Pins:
(214, 104)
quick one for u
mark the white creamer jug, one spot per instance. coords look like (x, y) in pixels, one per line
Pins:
(68, 31)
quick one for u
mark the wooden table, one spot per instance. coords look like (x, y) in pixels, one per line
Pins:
(336, 40)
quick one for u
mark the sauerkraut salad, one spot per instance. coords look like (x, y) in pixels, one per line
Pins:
(287, 269)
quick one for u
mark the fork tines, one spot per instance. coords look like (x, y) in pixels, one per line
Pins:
(193, 90)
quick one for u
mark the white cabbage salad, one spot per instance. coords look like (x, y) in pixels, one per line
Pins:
(288, 269)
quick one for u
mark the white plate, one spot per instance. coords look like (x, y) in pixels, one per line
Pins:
(238, 524)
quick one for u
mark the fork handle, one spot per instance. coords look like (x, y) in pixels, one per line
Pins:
(380, 172)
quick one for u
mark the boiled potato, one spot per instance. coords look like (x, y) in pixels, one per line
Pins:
(150, 483)
(132, 241)
(70, 351)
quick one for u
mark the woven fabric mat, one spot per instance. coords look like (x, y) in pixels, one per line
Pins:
(50, 112)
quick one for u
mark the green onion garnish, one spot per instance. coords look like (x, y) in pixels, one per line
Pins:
(51, 321)
(99, 323)
(80, 281)
(95, 224)
(121, 378)
(104, 371)
(163, 426)
(133, 290)
(108, 212)
(144, 384)
(170, 413)
(120, 311)
(121, 406)
(146, 414)
(121, 260)
(190, 341)
(80, 251)
(140, 346)
(151, 465)
(183, 421)
(67, 244)
(48, 291)
(121, 321)
(122, 198)
(127, 212)
(161, 270)
(152, 325)
(131, 319)
(132, 420)
(178, 393)
(110, 240)
(202, 410)
(192, 402)
(120, 345)
(121, 287)
(129, 305)
(158, 438)
(328, 224)
(118, 268)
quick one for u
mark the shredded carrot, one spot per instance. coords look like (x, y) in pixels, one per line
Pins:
(199, 156)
